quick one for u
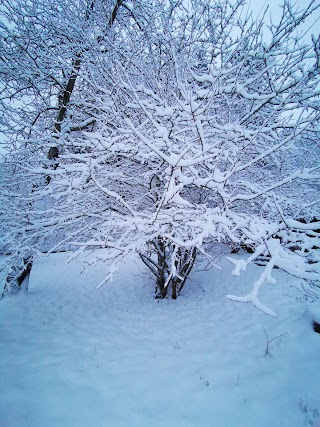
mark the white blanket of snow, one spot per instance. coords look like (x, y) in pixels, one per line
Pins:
(74, 356)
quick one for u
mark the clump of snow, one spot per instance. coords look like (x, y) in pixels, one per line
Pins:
(76, 356)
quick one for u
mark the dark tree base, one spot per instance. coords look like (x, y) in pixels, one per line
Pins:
(18, 275)
(316, 327)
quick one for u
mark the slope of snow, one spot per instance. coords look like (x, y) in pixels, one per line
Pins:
(72, 356)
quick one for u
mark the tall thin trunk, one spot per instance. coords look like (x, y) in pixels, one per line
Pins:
(21, 270)
(66, 93)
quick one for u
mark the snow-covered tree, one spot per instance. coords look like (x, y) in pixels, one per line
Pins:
(45, 50)
(208, 133)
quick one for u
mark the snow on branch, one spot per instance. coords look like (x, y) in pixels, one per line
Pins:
(180, 134)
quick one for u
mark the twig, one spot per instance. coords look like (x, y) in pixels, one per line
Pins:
(270, 341)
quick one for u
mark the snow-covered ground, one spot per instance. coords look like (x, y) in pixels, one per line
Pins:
(72, 356)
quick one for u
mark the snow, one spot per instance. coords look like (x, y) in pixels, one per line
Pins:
(76, 356)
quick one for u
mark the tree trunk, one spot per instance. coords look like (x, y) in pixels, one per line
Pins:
(66, 93)
(163, 251)
(22, 270)
(17, 275)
